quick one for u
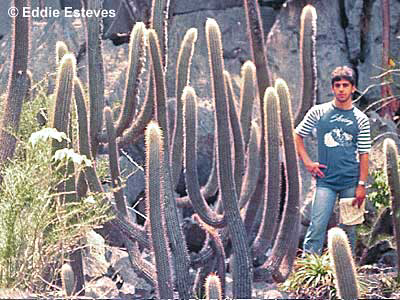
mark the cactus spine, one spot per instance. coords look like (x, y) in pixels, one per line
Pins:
(393, 179)
(343, 264)
(61, 50)
(68, 279)
(155, 190)
(242, 267)
(308, 34)
(213, 287)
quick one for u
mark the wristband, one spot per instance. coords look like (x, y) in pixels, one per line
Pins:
(361, 182)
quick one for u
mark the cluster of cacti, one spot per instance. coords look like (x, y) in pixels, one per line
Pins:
(393, 179)
(343, 264)
(246, 215)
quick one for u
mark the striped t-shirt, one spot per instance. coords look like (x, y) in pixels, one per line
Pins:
(342, 135)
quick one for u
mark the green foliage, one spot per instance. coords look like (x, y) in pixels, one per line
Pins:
(312, 273)
(35, 229)
(379, 194)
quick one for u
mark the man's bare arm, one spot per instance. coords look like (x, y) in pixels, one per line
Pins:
(361, 190)
(312, 167)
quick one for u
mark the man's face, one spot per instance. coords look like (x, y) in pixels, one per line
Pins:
(343, 89)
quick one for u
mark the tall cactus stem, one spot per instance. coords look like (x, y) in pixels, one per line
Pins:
(343, 264)
(155, 190)
(114, 163)
(247, 96)
(159, 22)
(182, 79)
(288, 234)
(272, 195)
(63, 95)
(199, 204)
(243, 273)
(252, 166)
(95, 73)
(135, 67)
(238, 144)
(393, 180)
(178, 244)
(308, 61)
(17, 82)
(84, 141)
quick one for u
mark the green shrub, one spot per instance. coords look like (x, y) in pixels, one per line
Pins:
(312, 276)
(36, 230)
(379, 190)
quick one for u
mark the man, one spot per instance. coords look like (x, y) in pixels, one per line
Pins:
(343, 134)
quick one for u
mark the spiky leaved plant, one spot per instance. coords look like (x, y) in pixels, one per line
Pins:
(393, 178)
(343, 264)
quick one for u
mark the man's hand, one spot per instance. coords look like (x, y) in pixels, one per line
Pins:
(315, 169)
(360, 196)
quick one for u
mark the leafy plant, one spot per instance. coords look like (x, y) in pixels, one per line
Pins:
(379, 194)
(35, 229)
(312, 275)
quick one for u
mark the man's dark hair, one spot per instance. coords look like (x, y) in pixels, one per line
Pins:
(341, 73)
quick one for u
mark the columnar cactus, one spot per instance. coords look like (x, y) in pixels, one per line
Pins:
(242, 267)
(393, 179)
(272, 194)
(308, 35)
(135, 67)
(200, 205)
(63, 95)
(247, 96)
(67, 279)
(95, 72)
(17, 82)
(238, 145)
(114, 163)
(213, 287)
(178, 245)
(182, 80)
(288, 234)
(61, 50)
(155, 189)
(343, 264)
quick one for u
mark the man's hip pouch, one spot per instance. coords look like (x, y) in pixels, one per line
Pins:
(349, 214)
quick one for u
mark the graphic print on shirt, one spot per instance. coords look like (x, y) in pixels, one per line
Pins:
(337, 138)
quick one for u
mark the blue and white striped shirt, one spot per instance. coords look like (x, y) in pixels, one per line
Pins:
(342, 135)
